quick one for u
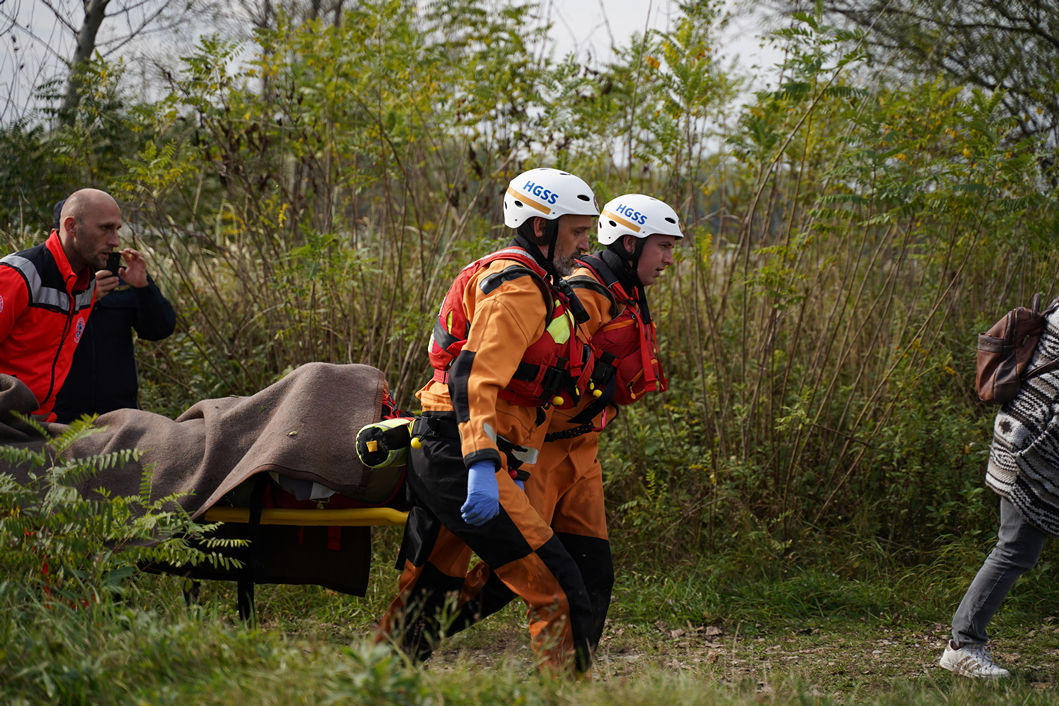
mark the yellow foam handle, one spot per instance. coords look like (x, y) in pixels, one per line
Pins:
(353, 517)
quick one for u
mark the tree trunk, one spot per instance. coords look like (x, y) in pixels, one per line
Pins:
(95, 13)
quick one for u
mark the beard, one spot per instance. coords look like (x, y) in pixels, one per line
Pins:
(95, 258)
(565, 263)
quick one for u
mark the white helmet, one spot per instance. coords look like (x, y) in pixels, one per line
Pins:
(547, 193)
(636, 215)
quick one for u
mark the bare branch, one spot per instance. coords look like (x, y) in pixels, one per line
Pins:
(44, 43)
(60, 15)
(1010, 45)
(140, 31)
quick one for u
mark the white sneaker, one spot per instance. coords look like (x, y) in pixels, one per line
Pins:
(972, 661)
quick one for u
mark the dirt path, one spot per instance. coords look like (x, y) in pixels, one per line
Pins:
(841, 660)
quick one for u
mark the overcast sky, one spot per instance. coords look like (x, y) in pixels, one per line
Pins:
(590, 28)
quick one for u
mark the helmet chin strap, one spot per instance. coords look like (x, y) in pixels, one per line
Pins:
(529, 241)
(623, 263)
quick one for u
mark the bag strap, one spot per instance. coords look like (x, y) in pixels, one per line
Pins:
(1052, 364)
(1051, 307)
(537, 274)
(599, 267)
(1042, 369)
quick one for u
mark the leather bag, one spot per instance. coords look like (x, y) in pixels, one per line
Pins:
(1005, 351)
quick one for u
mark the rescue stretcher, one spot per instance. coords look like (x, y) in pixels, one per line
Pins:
(272, 511)
(299, 517)
(268, 527)
(297, 530)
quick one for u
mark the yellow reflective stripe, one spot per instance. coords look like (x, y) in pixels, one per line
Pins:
(561, 327)
(529, 202)
(628, 224)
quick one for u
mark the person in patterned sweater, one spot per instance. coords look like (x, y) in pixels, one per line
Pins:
(1023, 470)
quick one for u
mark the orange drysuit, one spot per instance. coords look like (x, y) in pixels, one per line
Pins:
(566, 488)
(465, 420)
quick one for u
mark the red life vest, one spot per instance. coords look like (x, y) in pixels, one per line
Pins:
(554, 370)
(631, 341)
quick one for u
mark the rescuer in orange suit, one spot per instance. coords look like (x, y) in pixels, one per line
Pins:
(505, 349)
(566, 488)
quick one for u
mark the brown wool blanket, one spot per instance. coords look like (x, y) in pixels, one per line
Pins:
(303, 426)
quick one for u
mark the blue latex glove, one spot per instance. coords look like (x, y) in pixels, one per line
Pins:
(483, 494)
(521, 485)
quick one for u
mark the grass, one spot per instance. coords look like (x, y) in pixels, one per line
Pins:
(147, 658)
(696, 635)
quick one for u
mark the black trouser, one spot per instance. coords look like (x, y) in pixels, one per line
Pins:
(526, 557)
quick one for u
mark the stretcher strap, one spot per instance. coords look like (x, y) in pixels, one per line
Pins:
(438, 427)
(257, 553)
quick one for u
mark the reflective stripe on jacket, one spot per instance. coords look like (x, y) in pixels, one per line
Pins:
(44, 307)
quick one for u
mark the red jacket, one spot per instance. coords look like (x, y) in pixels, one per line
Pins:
(43, 309)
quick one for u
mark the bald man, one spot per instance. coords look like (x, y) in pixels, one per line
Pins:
(47, 293)
(103, 374)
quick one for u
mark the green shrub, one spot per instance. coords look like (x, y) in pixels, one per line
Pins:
(76, 548)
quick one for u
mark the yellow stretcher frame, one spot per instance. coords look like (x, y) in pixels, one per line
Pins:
(351, 517)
